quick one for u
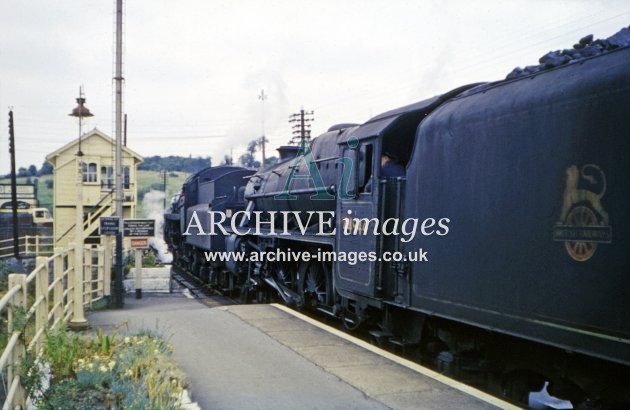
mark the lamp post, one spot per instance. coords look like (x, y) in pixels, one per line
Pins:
(78, 320)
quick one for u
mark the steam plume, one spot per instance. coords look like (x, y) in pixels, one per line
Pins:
(153, 204)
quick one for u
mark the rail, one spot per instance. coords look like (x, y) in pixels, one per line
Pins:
(47, 296)
(28, 245)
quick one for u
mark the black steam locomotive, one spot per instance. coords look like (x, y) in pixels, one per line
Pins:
(501, 251)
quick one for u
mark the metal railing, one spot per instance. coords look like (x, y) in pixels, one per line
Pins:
(28, 245)
(47, 293)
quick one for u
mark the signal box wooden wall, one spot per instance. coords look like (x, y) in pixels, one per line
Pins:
(98, 181)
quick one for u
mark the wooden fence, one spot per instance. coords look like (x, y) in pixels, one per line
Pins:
(28, 245)
(48, 294)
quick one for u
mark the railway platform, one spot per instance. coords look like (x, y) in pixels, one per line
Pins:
(270, 357)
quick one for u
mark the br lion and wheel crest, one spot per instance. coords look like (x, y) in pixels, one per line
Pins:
(583, 222)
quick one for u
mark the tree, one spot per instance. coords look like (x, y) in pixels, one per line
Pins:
(227, 160)
(252, 147)
(271, 161)
(175, 163)
(248, 160)
(32, 171)
(46, 169)
(22, 172)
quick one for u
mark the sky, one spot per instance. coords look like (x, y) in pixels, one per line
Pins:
(194, 68)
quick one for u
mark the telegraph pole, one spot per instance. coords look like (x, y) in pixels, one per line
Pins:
(125, 132)
(301, 127)
(16, 239)
(262, 97)
(118, 79)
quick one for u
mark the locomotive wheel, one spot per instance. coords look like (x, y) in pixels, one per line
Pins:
(314, 285)
(581, 250)
(245, 295)
(286, 274)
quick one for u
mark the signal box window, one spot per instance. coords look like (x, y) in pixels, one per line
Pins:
(89, 172)
(107, 177)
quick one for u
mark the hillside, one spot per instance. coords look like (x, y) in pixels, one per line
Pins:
(44, 188)
(148, 180)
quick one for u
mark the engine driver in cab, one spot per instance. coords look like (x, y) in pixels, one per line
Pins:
(390, 166)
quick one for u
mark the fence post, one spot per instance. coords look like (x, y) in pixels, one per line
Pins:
(107, 265)
(37, 250)
(41, 292)
(70, 281)
(25, 237)
(101, 268)
(19, 300)
(58, 288)
(138, 273)
(78, 321)
(88, 276)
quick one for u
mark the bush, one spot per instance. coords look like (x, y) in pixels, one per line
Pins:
(4, 276)
(61, 350)
(149, 259)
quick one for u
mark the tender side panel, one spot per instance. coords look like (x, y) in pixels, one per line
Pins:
(517, 169)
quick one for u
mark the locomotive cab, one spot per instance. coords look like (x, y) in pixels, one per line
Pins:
(372, 198)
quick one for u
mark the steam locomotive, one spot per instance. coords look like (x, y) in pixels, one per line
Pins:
(494, 254)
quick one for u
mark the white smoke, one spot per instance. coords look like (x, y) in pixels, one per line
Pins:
(153, 205)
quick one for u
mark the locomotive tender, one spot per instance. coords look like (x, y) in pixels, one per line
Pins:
(527, 177)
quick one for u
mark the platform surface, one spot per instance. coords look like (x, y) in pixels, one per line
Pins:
(266, 357)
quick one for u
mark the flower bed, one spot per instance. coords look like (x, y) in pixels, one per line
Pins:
(104, 372)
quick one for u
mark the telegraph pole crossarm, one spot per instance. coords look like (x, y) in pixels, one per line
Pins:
(302, 127)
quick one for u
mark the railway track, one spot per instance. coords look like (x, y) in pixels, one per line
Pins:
(192, 287)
